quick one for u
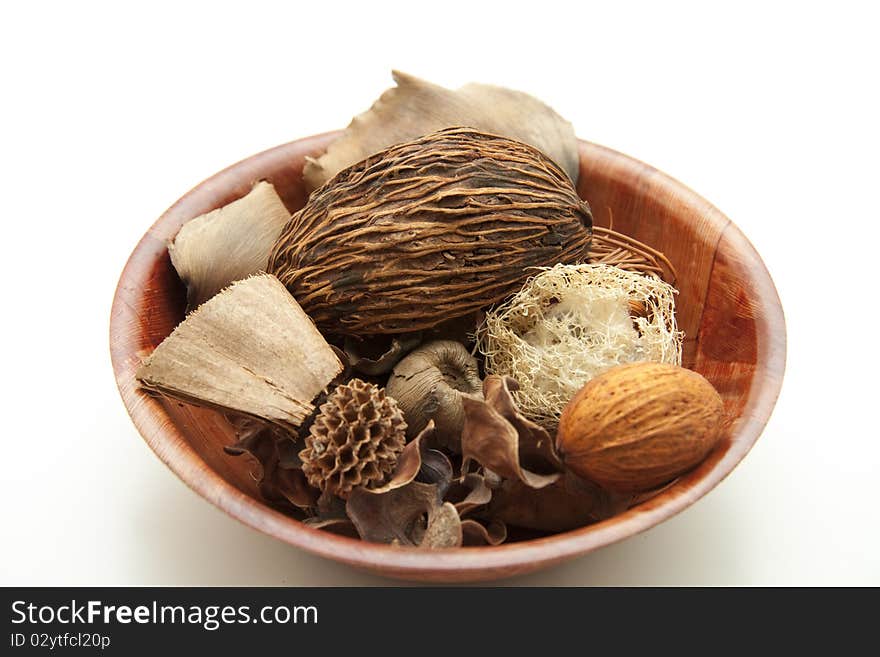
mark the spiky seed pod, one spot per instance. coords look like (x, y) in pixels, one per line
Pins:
(428, 230)
(355, 440)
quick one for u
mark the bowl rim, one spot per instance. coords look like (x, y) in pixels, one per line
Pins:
(465, 563)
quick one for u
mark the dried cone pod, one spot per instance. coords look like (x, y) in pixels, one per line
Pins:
(639, 425)
(355, 440)
(251, 350)
(429, 230)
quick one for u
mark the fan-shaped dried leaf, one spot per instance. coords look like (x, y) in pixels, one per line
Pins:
(228, 244)
(429, 230)
(416, 107)
(492, 439)
(251, 350)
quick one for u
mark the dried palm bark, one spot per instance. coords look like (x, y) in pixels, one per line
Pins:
(429, 230)
(415, 107)
(250, 350)
(228, 244)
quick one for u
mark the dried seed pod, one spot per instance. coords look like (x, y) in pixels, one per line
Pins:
(429, 230)
(639, 425)
(429, 385)
(416, 107)
(355, 440)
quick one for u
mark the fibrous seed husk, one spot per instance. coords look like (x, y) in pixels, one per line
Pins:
(416, 107)
(250, 350)
(569, 323)
(228, 244)
(429, 230)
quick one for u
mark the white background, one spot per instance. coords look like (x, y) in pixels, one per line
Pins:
(109, 114)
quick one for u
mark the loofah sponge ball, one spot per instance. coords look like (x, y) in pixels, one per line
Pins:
(355, 440)
(571, 322)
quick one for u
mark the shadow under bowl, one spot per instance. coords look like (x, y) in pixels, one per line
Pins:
(728, 308)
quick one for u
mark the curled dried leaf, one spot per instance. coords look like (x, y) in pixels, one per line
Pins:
(567, 503)
(535, 444)
(392, 517)
(377, 355)
(470, 493)
(475, 533)
(494, 441)
(416, 107)
(276, 483)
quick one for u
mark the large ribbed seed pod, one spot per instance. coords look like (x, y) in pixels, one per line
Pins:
(428, 230)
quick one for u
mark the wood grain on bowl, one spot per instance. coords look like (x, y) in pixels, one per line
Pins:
(727, 306)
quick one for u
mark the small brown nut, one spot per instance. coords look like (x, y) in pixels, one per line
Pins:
(639, 425)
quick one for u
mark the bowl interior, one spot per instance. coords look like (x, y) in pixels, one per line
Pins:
(727, 306)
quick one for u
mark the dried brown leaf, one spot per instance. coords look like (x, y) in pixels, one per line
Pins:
(475, 533)
(535, 444)
(393, 349)
(470, 493)
(394, 516)
(276, 484)
(568, 503)
(492, 439)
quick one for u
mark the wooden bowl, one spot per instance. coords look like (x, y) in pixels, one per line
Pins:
(728, 308)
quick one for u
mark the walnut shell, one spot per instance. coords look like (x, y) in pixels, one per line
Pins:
(639, 425)
(355, 440)
(429, 230)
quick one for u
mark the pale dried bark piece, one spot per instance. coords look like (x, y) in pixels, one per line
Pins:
(496, 443)
(444, 528)
(251, 350)
(416, 107)
(228, 244)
